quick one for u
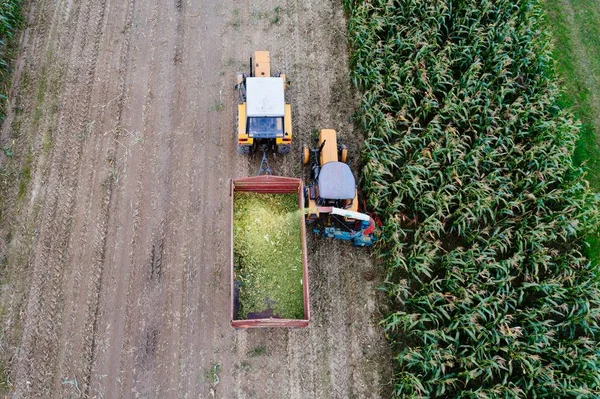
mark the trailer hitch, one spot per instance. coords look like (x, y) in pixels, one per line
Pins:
(264, 168)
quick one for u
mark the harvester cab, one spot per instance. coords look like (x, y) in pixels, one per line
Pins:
(264, 119)
(331, 197)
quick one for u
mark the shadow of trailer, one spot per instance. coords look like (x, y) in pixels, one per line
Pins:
(267, 184)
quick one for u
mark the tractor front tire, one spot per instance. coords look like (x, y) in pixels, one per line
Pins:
(283, 149)
(244, 149)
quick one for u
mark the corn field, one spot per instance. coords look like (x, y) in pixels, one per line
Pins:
(467, 160)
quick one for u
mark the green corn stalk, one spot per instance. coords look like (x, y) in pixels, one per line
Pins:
(467, 160)
(11, 20)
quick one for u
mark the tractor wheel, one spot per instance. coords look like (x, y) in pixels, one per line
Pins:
(305, 195)
(305, 154)
(244, 149)
(343, 153)
(283, 149)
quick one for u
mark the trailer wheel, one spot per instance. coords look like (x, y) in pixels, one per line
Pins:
(305, 154)
(244, 149)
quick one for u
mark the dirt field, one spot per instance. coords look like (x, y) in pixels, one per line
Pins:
(115, 240)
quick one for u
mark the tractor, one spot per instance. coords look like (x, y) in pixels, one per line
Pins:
(264, 119)
(330, 194)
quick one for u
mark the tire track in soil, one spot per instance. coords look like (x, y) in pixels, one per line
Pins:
(337, 324)
(320, 345)
(171, 348)
(204, 329)
(160, 263)
(115, 307)
(266, 377)
(367, 345)
(168, 356)
(118, 325)
(158, 340)
(149, 316)
(185, 277)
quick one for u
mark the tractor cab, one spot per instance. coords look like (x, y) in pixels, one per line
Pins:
(265, 108)
(336, 185)
(264, 119)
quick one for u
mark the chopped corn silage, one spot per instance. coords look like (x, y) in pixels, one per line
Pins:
(268, 254)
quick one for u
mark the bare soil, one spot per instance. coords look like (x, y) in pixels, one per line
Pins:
(115, 234)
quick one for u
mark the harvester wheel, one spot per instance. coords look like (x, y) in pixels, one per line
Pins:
(343, 153)
(244, 149)
(305, 154)
(283, 149)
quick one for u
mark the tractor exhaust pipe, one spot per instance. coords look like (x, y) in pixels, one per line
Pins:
(322, 145)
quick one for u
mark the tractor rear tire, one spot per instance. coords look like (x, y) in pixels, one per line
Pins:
(283, 149)
(343, 153)
(305, 154)
(244, 149)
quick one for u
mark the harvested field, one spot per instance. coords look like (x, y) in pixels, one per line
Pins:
(115, 229)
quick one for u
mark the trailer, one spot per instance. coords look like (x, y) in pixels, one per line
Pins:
(244, 284)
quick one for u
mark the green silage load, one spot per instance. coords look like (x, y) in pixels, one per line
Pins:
(267, 254)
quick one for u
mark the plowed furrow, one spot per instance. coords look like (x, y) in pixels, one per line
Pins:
(59, 223)
(82, 287)
(34, 326)
(91, 342)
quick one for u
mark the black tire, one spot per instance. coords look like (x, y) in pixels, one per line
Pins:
(305, 196)
(241, 89)
(244, 149)
(343, 153)
(284, 149)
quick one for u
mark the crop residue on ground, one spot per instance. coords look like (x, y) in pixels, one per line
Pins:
(268, 254)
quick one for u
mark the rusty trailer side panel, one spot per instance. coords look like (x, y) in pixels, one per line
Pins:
(271, 185)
